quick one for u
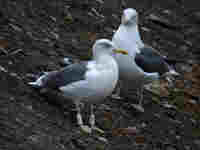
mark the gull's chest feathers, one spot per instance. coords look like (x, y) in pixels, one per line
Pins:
(126, 38)
(103, 77)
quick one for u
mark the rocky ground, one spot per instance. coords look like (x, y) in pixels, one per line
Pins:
(36, 35)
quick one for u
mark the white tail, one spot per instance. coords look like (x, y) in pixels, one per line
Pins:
(173, 72)
(38, 82)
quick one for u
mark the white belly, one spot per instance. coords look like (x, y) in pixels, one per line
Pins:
(104, 81)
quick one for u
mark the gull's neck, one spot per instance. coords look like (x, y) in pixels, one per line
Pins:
(133, 31)
(105, 59)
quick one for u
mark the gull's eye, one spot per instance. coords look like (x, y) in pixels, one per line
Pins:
(107, 45)
(134, 17)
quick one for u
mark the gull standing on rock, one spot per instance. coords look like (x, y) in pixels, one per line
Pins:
(90, 81)
(143, 64)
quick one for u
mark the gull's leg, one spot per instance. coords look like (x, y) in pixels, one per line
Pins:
(141, 89)
(78, 115)
(139, 106)
(92, 120)
(83, 127)
(92, 117)
(118, 88)
(170, 82)
(124, 90)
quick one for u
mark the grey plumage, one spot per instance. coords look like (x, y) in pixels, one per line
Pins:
(65, 76)
(150, 61)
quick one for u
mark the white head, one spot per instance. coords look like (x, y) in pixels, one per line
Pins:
(129, 17)
(105, 46)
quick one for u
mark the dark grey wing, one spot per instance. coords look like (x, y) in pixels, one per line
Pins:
(151, 61)
(67, 75)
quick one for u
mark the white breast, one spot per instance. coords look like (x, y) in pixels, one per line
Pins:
(124, 39)
(103, 77)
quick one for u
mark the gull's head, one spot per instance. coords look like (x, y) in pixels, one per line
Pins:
(105, 46)
(129, 17)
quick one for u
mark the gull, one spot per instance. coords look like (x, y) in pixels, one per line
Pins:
(143, 64)
(86, 81)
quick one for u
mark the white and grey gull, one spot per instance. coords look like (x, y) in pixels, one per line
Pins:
(143, 64)
(89, 81)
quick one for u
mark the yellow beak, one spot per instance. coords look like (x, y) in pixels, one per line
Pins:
(121, 51)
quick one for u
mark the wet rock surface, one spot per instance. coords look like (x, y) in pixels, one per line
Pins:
(36, 35)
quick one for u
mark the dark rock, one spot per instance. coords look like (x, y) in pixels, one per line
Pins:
(164, 22)
(195, 16)
(35, 35)
(197, 143)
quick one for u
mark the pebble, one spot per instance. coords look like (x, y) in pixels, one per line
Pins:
(197, 143)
